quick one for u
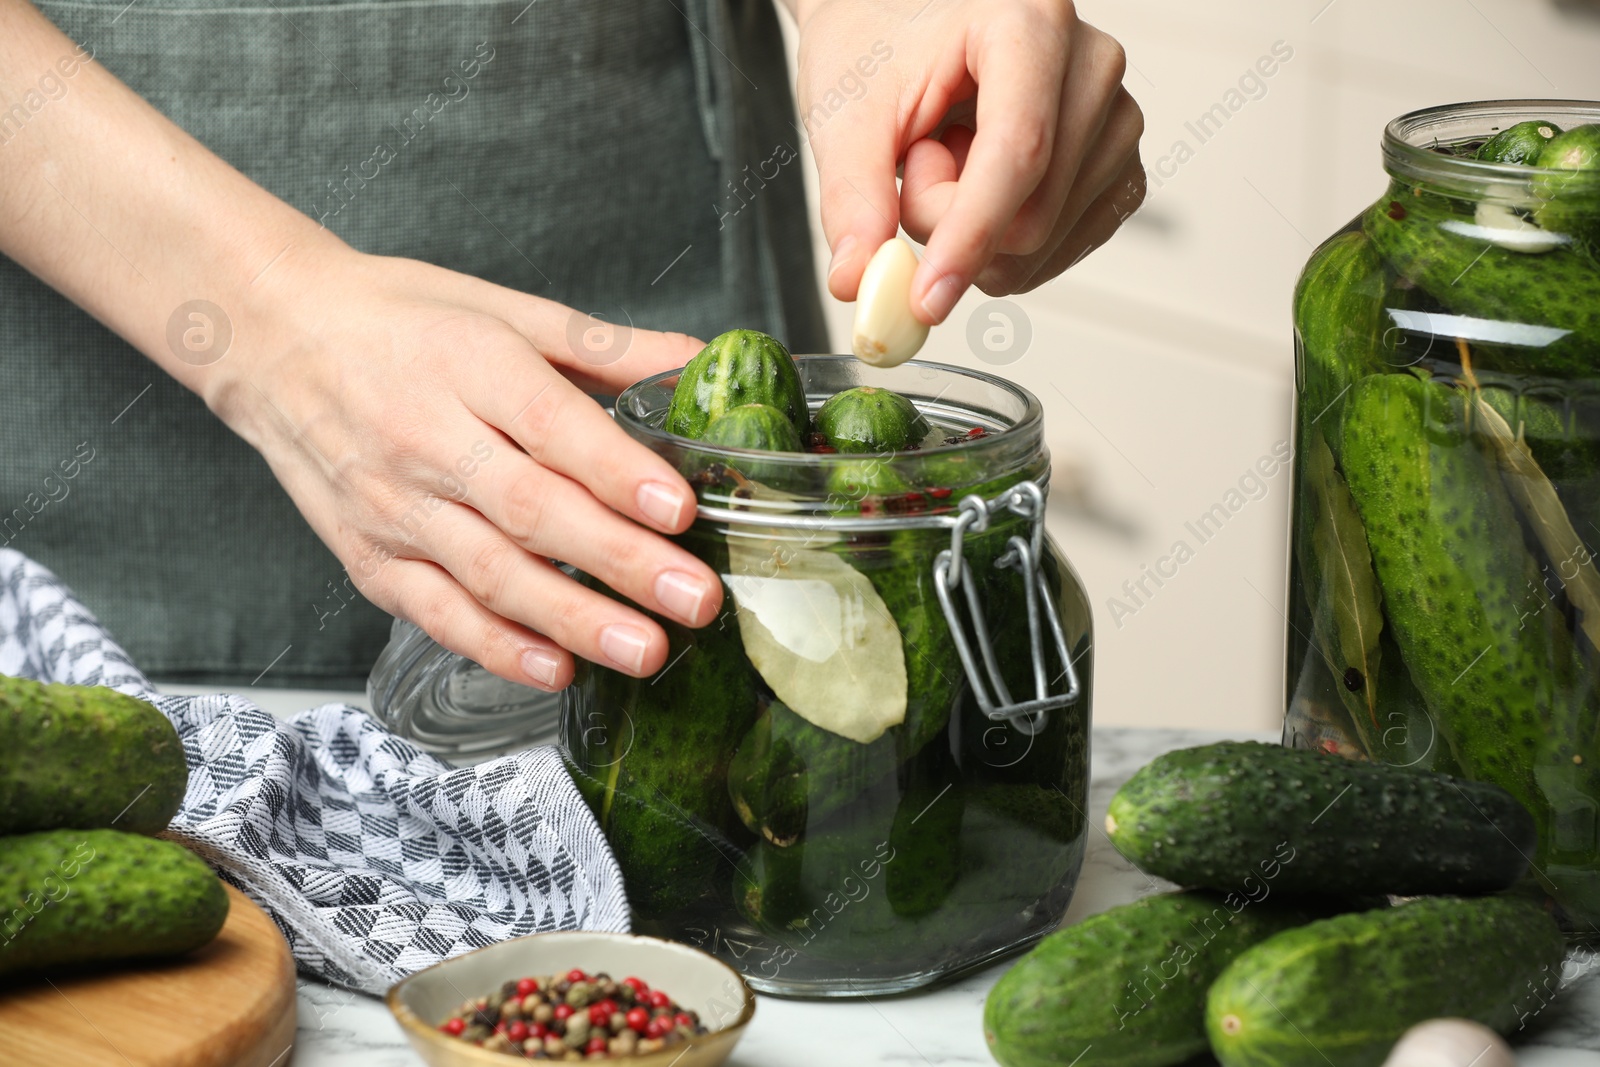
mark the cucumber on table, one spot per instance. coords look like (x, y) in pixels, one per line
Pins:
(1303, 822)
(85, 758)
(870, 419)
(1128, 986)
(85, 896)
(1342, 991)
(736, 368)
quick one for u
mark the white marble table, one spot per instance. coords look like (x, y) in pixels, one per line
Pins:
(343, 1029)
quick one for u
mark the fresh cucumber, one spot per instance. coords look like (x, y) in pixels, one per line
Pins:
(1436, 244)
(81, 757)
(870, 419)
(92, 896)
(1341, 991)
(738, 367)
(1126, 987)
(1224, 815)
(754, 426)
(1488, 651)
(1521, 143)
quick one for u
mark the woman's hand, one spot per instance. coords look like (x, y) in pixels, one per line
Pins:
(1019, 146)
(428, 426)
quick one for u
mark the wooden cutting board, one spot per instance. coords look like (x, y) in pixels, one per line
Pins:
(231, 1003)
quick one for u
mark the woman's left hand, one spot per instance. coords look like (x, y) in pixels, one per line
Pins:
(1019, 146)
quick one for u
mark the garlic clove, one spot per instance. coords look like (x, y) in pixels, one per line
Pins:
(1450, 1043)
(886, 333)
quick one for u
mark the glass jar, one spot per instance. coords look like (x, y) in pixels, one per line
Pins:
(1444, 602)
(815, 863)
(447, 704)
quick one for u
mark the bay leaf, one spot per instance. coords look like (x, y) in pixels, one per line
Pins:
(818, 633)
(1345, 598)
(1536, 498)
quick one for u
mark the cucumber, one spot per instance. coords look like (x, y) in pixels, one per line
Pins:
(1221, 815)
(870, 419)
(1129, 983)
(1570, 202)
(651, 757)
(1338, 321)
(754, 426)
(1468, 276)
(91, 896)
(1461, 591)
(1341, 991)
(736, 368)
(86, 758)
(1521, 143)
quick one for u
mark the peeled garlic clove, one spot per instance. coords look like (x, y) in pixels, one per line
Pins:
(886, 333)
(1450, 1043)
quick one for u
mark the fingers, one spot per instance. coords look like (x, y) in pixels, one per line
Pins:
(1093, 229)
(1094, 78)
(567, 432)
(508, 582)
(597, 354)
(551, 516)
(1019, 71)
(859, 202)
(428, 596)
(1109, 162)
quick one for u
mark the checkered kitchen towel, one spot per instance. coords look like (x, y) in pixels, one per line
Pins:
(374, 858)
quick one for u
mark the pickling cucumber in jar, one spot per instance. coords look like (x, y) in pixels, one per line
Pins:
(809, 788)
(1444, 600)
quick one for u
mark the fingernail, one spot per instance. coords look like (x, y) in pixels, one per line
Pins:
(940, 296)
(541, 665)
(841, 255)
(682, 594)
(624, 646)
(661, 504)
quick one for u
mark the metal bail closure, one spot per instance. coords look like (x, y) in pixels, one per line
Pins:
(1024, 556)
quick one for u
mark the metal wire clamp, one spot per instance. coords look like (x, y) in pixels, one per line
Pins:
(1022, 555)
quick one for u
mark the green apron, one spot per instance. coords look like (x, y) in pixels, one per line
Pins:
(591, 147)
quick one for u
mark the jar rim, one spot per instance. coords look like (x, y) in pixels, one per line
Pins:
(1028, 423)
(1408, 150)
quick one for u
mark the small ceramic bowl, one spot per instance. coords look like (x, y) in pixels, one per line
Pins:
(695, 980)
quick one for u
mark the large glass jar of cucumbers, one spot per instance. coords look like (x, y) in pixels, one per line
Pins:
(1444, 596)
(871, 771)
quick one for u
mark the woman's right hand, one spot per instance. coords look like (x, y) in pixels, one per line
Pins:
(431, 428)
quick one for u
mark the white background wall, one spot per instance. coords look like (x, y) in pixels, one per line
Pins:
(1164, 361)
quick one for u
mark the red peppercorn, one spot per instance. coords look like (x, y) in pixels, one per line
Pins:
(564, 1011)
(596, 1045)
(684, 1019)
(517, 1032)
(658, 999)
(598, 1015)
(660, 1026)
(638, 1019)
(637, 985)
(939, 493)
(500, 1028)
(576, 975)
(453, 1027)
(539, 1031)
(526, 986)
(1396, 211)
(977, 432)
